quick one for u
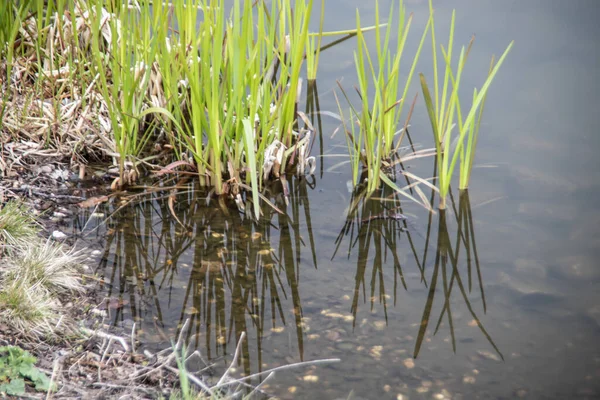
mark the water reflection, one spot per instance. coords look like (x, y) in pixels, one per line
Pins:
(227, 273)
(375, 224)
(376, 230)
(176, 253)
(451, 274)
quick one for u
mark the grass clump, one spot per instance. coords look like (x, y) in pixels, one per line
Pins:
(48, 265)
(29, 309)
(34, 276)
(376, 136)
(16, 224)
(375, 125)
(444, 107)
(214, 86)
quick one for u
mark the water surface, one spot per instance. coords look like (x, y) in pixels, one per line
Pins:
(496, 298)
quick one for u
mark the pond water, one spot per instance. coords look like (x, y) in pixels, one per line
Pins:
(509, 272)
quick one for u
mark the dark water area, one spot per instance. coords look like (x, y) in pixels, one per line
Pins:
(495, 298)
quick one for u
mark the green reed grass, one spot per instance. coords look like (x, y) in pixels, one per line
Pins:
(11, 19)
(372, 140)
(313, 48)
(127, 58)
(219, 82)
(237, 78)
(444, 107)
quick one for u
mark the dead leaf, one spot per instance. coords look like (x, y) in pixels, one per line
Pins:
(93, 201)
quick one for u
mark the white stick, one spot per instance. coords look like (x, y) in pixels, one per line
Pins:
(235, 356)
(283, 367)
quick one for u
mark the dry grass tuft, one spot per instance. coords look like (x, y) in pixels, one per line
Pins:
(47, 264)
(34, 277)
(50, 106)
(29, 310)
(16, 224)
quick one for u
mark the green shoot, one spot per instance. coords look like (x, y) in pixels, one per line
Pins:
(378, 118)
(442, 109)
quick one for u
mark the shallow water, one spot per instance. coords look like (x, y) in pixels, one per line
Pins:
(523, 309)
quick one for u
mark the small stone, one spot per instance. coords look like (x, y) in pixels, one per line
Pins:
(469, 380)
(310, 378)
(400, 396)
(379, 325)
(472, 323)
(58, 235)
(46, 169)
(345, 346)
(292, 389)
(60, 175)
(278, 329)
(375, 352)
(387, 388)
(409, 363)
(422, 389)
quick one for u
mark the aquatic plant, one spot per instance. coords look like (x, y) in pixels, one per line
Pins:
(445, 106)
(183, 80)
(123, 50)
(313, 48)
(373, 140)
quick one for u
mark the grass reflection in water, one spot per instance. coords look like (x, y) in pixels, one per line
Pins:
(378, 225)
(230, 274)
(225, 272)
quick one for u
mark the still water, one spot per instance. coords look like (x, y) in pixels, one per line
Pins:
(496, 298)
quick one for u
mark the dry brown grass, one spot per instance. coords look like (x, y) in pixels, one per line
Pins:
(36, 277)
(51, 106)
